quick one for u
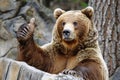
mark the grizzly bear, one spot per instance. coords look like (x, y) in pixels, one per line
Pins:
(74, 48)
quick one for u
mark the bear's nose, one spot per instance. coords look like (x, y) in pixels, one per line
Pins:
(66, 33)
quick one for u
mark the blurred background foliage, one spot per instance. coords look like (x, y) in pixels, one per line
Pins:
(65, 4)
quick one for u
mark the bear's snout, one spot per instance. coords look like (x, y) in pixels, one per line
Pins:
(66, 33)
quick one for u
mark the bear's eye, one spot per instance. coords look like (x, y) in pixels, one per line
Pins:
(63, 23)
(75, 23)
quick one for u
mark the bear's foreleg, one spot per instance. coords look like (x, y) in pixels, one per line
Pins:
(25, 39)
(28, 50)
(88, 70)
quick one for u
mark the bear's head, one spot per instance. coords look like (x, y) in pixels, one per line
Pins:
(72, 27)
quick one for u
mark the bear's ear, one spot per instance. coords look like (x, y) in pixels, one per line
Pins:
(88, 11)
(58, 12)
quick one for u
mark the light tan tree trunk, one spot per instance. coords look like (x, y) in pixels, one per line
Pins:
(107, 21)
(15, 70)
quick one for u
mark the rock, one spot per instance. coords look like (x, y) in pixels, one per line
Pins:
(12, 53)
(7, 5)
(7, 46)
(9, 14)
(8, 8)
(4, 34)
(7, 43)
(13, 24)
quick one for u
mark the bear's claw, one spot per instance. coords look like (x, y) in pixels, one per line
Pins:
(22, 31)
(70, 72)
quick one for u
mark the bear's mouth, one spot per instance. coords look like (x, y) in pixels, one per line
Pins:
(68, 39)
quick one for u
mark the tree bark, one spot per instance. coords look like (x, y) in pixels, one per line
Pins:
(107, 21)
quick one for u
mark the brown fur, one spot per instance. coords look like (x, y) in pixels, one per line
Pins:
(81, 54)
(90, 70)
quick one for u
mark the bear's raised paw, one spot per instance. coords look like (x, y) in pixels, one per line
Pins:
(26, 31)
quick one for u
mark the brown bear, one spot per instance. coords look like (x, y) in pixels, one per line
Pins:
(74, 48)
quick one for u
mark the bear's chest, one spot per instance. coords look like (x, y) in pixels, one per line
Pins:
(63, 62)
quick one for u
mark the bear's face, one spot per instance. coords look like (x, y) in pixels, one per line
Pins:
(73, 26)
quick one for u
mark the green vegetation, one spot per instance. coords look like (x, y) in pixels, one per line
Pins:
(83, 4)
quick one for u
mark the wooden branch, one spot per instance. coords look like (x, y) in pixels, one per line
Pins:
(15, 70)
